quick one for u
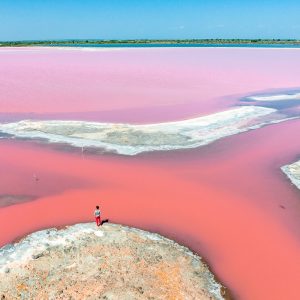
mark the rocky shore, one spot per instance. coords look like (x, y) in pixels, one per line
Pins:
(110, 262)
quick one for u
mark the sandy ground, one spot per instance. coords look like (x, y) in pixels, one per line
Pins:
(110, 262)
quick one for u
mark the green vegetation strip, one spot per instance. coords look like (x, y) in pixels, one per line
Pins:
(151, 42)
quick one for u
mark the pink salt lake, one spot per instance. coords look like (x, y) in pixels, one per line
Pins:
(228, 201)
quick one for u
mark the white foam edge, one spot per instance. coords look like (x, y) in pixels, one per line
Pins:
(278, 97)
(58, 48)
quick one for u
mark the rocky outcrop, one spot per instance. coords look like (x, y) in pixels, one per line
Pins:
(110, 262)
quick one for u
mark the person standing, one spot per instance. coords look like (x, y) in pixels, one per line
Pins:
(97, 214)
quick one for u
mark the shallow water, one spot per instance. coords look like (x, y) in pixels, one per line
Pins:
(228, 201)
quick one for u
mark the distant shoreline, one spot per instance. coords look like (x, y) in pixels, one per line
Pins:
(157, 43)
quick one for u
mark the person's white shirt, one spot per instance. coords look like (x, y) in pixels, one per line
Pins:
(97, 213)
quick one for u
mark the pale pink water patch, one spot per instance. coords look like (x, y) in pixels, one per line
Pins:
(195, 80)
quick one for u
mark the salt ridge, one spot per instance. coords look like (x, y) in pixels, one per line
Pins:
(127, 139)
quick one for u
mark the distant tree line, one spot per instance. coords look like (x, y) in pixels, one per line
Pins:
(149, 41)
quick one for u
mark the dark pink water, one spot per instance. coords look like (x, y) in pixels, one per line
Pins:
(228, 201)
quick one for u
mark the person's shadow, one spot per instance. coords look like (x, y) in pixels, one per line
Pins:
(104, 221)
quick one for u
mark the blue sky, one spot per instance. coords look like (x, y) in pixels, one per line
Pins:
(122, 19)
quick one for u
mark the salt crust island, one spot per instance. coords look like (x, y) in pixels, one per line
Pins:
(128, 139)
(293, 173)
(110, 262)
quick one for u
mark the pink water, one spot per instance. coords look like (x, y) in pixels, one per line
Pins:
(227, 201)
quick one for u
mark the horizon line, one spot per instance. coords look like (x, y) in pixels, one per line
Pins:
(152, 39)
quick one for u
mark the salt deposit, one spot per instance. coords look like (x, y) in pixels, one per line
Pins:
(276, 97)
(128, 139)
(111, 262)
(293, 173)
